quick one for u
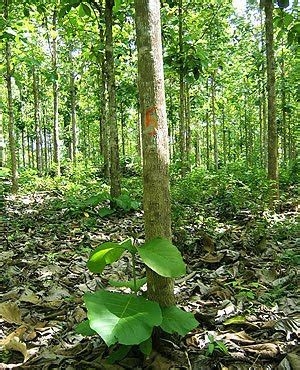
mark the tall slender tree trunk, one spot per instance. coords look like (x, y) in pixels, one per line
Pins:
(272, 125)
(115, 184)
(73, 112)
(38, 149)
(56, 142)
(283, 107)
(207, 141)
(182, 131)
(123, 130)
(157, 210)
(188, 139)
(11, 128)
(263, 96)
(103, 121)
(224, 137)
(23, 147)
(213, 113)
(2, 143)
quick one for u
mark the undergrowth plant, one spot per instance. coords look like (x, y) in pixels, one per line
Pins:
(129, 319)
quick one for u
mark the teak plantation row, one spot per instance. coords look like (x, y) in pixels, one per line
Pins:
(69, 84)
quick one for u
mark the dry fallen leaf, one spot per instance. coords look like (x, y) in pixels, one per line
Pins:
(16, 333)
(10, 312)
(266, 350)
(15, 345)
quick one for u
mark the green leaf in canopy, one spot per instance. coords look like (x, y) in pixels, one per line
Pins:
(162, 257)
(123, 318)
(178, 321)
(83, 10)
(117, 5)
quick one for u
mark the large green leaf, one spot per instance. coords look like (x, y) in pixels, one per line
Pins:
(103, 255)
(123, 318)
(178, 321)
(162, 257)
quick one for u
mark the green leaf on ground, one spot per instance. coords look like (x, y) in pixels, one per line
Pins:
(123, 318)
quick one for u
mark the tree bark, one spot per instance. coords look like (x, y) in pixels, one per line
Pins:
(157, 211)
(182, 133)
(38, 149)
(272, 125)
(11, 128)
(213, 113)
(115, 184)
(56, 143)
(73, 112)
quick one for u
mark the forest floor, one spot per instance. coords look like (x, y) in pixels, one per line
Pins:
(242, 288)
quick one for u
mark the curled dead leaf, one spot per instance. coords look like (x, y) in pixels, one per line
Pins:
(266, 350)
(10, 312)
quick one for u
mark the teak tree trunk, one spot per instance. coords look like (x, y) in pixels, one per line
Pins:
(182, 132)
(73, 111)
(213, 114)
(38, 148)
(157, 212)
(11, 129)
(115, 185)
(272, 126)
(56, 144)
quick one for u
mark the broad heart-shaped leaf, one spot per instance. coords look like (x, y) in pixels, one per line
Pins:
(162, 257)
(129, 284)
(105, 254)
(123, 318)
(178, 321)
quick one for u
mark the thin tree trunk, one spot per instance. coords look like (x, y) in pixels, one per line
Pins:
(272, 125)
(157, 210)
(283, 107)
(11, 128)
(182, 132)
(224, 138)
(207, 141)
(263, 97)
(214, 126)
(103, 121)
(73, 112)
(23, 147)
(115, 185)
(188, 143)
(56, 142)
(123, 130)
(2, 144)
(38, 149)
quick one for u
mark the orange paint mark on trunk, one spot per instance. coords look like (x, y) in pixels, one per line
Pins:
(151, 121)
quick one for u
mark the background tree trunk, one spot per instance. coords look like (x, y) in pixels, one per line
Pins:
(56, 143)
(11, 129)
(155, 139)
(38, 149)
(272, 125)
(115, 185)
